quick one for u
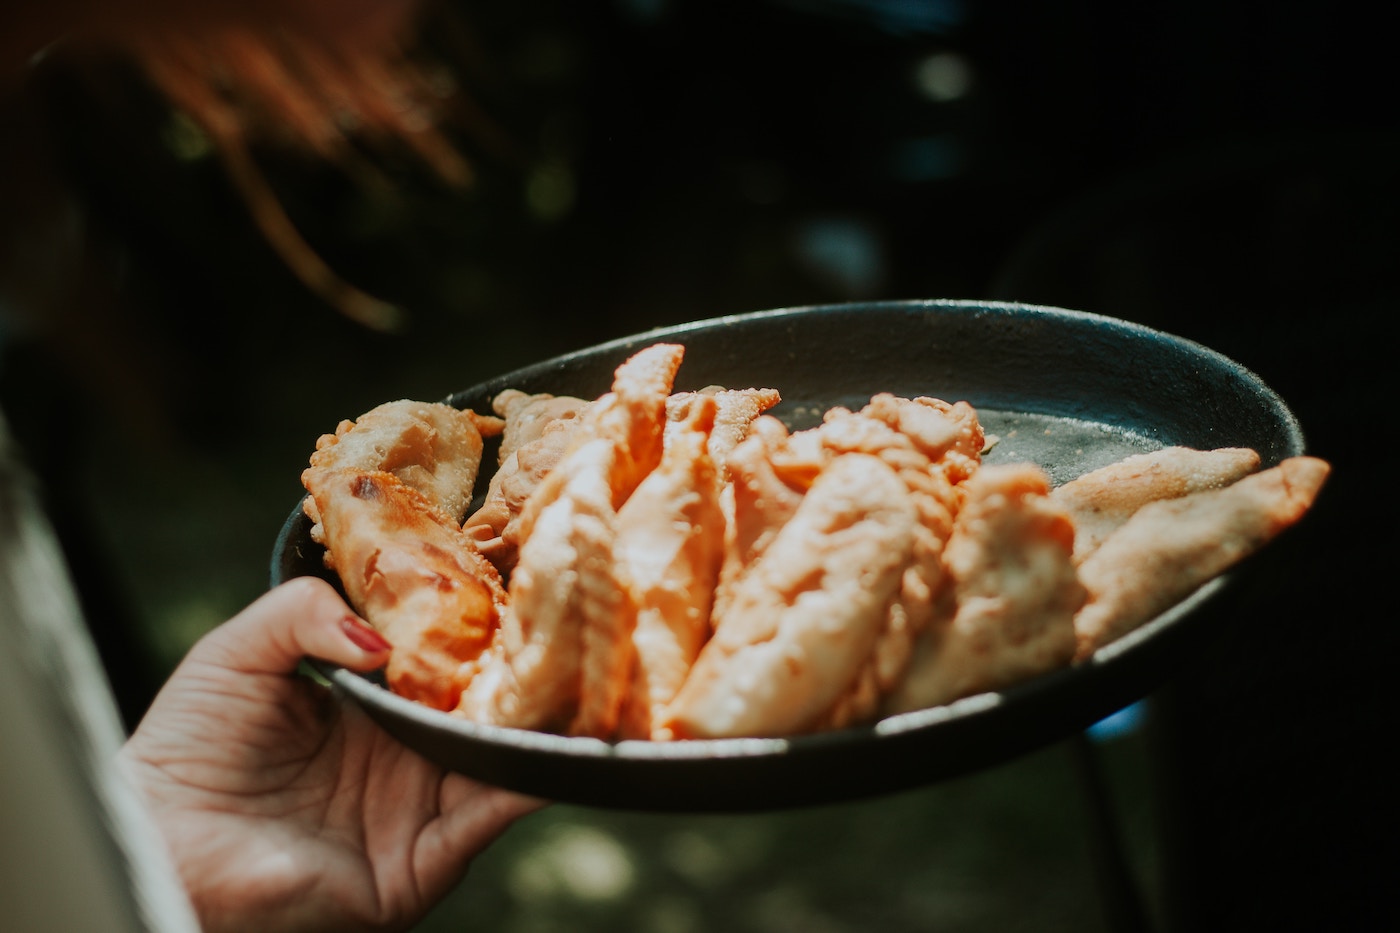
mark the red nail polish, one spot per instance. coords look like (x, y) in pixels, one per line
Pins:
(360, 632)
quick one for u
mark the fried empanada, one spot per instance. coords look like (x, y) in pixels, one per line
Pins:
(670, 541)
(804, 618)
(567, 643)
(1102, 500)
(413, 575)
(564, 647)
(1169, 548)
(528, 416)
(735, 412)
(1009, 596)
(430, 446)
(529, 452)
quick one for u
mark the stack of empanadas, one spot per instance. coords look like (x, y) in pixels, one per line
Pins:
(669, 565)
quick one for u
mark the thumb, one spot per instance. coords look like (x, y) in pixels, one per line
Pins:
(301, 618)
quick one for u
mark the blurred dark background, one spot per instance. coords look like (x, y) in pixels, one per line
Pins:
(1223, 171)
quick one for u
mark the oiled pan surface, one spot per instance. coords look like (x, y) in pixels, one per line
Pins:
(1068, 390)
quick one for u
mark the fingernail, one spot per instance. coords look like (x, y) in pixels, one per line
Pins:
(360, 632)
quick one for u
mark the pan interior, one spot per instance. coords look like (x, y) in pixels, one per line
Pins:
(1068, 391)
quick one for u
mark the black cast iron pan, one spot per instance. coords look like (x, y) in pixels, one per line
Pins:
(1068, 390)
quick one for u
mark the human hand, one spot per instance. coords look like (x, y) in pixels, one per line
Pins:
(284, 806)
